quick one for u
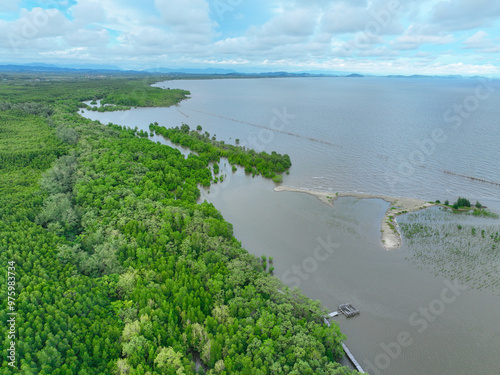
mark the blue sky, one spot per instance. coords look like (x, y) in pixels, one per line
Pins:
(366, 36)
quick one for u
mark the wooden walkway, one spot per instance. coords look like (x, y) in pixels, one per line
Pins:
(331, 315)
(353, 360)
(348, 310)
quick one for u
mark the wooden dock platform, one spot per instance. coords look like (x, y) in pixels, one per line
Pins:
(352, 359)
(348, 310)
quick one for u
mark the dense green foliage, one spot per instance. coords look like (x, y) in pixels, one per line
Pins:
(132, 95)
(123, 92)
(211, 150)
(119, 270)
(461, 202)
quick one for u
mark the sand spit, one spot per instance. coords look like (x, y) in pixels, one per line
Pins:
(391, 237)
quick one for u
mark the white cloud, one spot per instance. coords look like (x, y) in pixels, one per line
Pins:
(187, 16)
(465, 14)
(344, 18)
(87, 12)
(416, 35)
(291, 30)
(477, 39)
(482, 42)
(377, 52)
(374, 17)
(83, 38)
(33, 26)
(403, 66)
(306, 34)
(299, 22)
(146, 38)
(70, 52)
(424, 55)
(9, 5)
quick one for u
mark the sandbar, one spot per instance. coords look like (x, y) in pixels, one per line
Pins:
(391, 237)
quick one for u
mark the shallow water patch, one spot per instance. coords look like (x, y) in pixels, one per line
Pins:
(457, 247)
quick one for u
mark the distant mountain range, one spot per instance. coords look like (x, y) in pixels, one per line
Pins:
(110, 69)
(39, 67)
(192, 71)
(48, 68)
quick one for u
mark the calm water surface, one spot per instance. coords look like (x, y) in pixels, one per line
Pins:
(368, 135)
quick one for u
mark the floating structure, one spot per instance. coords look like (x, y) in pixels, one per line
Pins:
(348, 310)
(352, 359)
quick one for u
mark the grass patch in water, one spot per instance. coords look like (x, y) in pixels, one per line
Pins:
(454, 250)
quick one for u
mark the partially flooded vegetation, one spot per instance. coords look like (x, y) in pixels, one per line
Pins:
(455, 245)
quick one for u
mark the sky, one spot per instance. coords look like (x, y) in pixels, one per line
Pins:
(364, 36)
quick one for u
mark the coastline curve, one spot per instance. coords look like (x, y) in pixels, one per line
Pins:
(391, 237)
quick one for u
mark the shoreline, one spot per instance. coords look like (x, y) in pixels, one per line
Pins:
(391, 237)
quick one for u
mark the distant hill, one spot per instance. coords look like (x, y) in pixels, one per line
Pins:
(41, 65)
(420, 76)
(34, 67)
(191, 71)
(177, 72)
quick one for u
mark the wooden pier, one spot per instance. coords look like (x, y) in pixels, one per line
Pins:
(348, 310)
(352, 359)
(328, 316)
